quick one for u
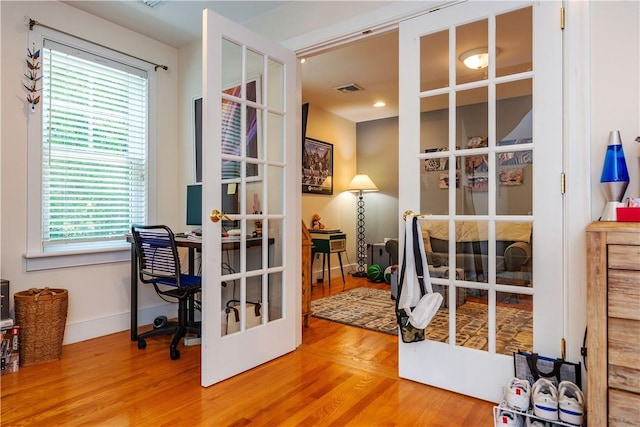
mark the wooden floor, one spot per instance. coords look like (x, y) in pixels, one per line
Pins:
(339, 376)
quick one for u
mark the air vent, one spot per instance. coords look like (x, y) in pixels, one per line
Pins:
(349, 88)
(152, 3)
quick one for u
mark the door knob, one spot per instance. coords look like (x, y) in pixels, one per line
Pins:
(216, 216)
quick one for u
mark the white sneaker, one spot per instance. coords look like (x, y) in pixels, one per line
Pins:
(532, 422)
(519, 394)
(545, 400)
(508, 418)
(570, 403)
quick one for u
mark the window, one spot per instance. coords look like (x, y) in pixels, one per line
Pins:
(93, 134)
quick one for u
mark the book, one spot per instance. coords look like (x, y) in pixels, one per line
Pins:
(6, 323)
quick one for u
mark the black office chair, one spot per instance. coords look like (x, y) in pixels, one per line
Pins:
(159, 265)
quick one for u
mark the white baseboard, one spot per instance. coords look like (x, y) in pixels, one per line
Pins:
(316, 273)
(85, 330)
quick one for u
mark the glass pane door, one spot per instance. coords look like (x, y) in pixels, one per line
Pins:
(481, 160)
(249, 251)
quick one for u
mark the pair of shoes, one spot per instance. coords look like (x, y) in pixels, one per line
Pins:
(533, 422)
(565, 403)
(544, 396)
(519, 394)
(570, 403)
(509, 419)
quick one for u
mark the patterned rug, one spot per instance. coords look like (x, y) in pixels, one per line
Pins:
(375, 310)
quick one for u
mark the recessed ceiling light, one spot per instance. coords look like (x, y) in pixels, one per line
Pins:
(380, 104)
(303, 60)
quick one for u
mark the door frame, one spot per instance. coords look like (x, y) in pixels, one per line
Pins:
(576, 124)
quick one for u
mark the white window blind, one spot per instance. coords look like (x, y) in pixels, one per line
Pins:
(94, 146)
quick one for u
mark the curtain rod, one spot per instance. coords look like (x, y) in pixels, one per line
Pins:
(33, 22)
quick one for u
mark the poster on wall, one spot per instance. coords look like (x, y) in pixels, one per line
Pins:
(317, 167)
(231, 133)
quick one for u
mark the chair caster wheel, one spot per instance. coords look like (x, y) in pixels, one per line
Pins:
(142, 344)
(174, 354)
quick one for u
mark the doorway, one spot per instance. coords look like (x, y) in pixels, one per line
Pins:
(484, 277)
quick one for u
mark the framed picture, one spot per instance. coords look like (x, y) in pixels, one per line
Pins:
(231, 133)
(438, 163)
(317, 167)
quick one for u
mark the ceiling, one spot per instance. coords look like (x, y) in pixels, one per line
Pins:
(371, 63)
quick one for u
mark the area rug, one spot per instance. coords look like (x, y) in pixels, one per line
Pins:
(375, 310)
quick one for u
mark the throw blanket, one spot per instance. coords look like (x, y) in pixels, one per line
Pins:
(477, 231)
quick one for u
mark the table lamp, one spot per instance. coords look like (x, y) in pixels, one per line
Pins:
(615, 176)
(360, 184)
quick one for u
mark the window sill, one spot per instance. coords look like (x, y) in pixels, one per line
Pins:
(57, 258)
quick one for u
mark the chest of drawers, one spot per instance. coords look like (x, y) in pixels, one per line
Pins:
(613, 323)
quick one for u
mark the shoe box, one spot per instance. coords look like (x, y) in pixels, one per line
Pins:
(10, 357)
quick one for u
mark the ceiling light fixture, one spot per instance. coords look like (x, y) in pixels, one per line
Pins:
(380, 104)
(303, 60)
(477, 59)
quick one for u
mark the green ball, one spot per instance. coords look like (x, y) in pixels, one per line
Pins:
(387, 274)
(375, 273)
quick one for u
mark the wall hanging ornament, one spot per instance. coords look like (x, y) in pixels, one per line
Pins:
(33, 65)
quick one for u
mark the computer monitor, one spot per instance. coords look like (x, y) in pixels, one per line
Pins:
(194, 205)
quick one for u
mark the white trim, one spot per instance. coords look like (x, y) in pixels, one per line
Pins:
(88, 329)
(50, 260)
(577, 161)
(36, 257)
(378, 21)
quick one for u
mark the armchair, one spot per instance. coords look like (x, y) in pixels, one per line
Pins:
(159, 265)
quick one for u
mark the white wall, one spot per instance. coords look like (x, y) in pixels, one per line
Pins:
(615, 90)
(99, 295)
(338, 210)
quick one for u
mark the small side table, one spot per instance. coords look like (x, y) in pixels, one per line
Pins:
(327, 243)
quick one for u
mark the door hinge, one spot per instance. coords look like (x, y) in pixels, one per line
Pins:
(562, 19)
(563, 183)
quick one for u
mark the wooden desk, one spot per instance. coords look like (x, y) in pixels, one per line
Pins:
(192, 245)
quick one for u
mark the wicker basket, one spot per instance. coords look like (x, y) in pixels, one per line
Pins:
(41, 315)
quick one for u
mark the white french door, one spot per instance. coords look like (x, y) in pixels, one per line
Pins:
(251, 287)
(485, 146)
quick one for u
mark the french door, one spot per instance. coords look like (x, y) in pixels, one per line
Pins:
(251, 257)
(485, 145)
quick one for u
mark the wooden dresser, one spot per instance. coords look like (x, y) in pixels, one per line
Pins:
(613, 323)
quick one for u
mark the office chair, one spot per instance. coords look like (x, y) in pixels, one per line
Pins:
(159, 265)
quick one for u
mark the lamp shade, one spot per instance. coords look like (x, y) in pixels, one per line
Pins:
(361, 183)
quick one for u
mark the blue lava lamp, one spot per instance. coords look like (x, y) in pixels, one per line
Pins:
(615, 176)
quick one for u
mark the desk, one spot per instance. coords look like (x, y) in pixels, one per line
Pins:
(192, 245)
(328, 243)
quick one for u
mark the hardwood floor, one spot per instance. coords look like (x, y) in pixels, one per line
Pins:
(339, 376)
